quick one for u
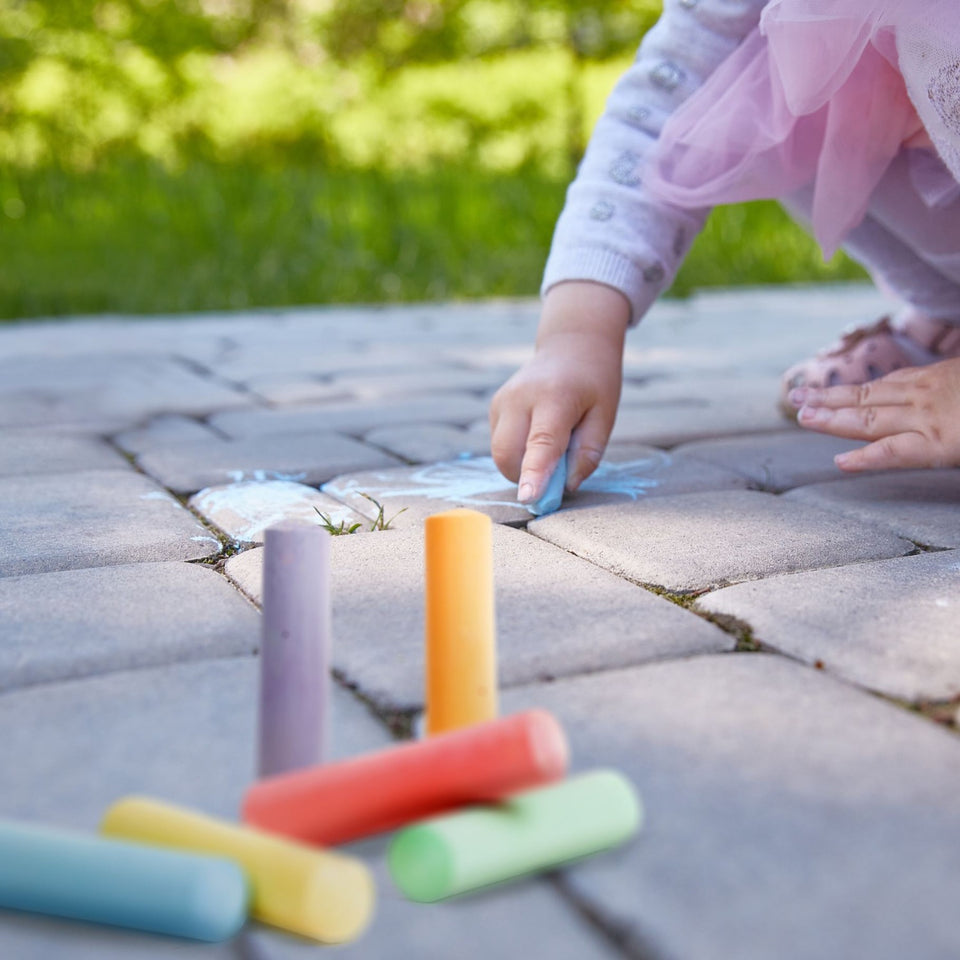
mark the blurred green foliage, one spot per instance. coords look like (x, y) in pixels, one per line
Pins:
(187, 154)
(174, 79)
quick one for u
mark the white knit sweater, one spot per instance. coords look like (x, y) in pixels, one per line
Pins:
(612, 230)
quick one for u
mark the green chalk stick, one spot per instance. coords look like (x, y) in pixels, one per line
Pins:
(532, 831)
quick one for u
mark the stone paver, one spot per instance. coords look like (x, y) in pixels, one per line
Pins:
(282, 389)
(632, 472)
(671, 423)
(378, 579)
(30, 452)
(244, 510)
(163, 431)
(480, 426)
(75, 623)
(775, 461)
(103, 427)
(923, 505)
(187, 735)
(431, 488)
(245, 570)
(891, 626)
(92, 519)
(181, 335)
(629, 472)
(257, 360)
(375, 385)
(429, 443)
(27, 937)
(790, 813)
(52, 389)
(308, 457)
(142, 731)
(520, 921)
(354, 417)
(787, 815)
(503, 357)
(700, 541)
(701, 390)
(753, 333)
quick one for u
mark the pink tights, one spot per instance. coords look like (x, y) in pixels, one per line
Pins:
(910, 248)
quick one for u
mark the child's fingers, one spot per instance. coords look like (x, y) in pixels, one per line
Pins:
(546, 443)
(859, 423)
(508, 439)
(587, 444)
(902, 450)
(888, 391)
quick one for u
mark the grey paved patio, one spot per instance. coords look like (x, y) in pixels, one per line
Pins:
(770, 650)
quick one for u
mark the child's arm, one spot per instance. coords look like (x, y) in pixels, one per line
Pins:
(613, 230)
(616, 248)
(567, 395)
(911, 415)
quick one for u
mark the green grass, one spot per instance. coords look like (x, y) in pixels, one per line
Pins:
(757, 243)
(277, 178)
(135, 237)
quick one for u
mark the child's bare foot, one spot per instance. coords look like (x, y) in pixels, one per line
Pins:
(912, 416)
(869, 353)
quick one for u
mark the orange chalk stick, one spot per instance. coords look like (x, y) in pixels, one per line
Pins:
(339, 802)
(460, 630)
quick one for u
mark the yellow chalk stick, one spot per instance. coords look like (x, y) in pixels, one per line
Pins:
(306, 890)
(460, 629)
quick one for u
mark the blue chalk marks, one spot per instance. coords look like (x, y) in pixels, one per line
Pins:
(477, 482)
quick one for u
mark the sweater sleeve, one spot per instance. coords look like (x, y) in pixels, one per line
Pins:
(612, 230)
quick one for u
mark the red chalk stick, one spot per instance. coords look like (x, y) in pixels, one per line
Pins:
(340, 802)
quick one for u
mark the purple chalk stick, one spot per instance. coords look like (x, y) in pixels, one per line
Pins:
(295, 647)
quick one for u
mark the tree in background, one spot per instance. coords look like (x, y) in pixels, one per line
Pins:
(78, 78)
(187, 154)
(80, 81)
(388, 36)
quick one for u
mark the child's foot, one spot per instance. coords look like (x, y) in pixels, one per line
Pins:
(869, 353)
(911, 416)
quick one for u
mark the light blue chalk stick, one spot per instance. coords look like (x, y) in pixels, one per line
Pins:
(67, 874)
(552, 497)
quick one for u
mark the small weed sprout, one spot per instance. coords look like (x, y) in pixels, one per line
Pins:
(379, 523)
(335, 531)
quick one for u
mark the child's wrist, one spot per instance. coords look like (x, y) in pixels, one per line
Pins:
(582, 308)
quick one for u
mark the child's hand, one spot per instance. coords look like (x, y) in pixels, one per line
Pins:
(912, 415)
(567, 395)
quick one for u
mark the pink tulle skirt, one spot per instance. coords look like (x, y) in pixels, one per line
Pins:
(824, 92)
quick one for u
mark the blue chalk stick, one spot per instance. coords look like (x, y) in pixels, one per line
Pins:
(552, 497)
(67, 874)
